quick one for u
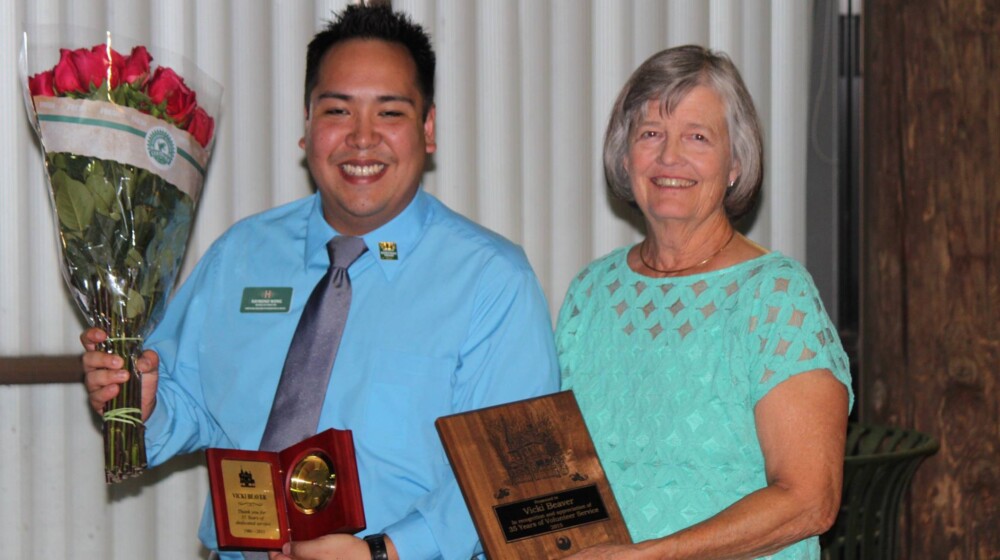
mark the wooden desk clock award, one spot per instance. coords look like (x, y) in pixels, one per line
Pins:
(263, 499)
(532, 479)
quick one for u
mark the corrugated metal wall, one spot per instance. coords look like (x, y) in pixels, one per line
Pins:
(524, 91)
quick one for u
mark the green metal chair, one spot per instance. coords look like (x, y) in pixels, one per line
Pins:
(878, 467)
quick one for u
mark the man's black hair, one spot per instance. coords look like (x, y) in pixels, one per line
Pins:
(375, 22)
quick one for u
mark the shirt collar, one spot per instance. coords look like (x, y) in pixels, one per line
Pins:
(405, 231)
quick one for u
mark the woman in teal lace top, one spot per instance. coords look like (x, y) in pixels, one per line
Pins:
(709, 374)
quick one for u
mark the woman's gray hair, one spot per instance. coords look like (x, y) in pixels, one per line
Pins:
(668, 76)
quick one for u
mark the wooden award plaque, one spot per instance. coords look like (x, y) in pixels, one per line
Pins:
(532, 479)
(263, 499)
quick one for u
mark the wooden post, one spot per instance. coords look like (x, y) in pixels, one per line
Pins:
(41, 369)
(930, 221)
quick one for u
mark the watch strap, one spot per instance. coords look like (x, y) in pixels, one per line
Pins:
(376, 544)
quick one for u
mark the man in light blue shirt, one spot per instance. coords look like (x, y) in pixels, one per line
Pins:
(445, 316)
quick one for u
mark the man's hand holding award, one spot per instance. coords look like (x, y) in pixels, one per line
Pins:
(263, 499)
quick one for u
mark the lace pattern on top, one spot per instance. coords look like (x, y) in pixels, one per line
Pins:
(667, 372)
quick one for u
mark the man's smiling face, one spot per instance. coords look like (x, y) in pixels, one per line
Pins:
(366, 140)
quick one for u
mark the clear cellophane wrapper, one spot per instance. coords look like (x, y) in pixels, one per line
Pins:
(127, 132)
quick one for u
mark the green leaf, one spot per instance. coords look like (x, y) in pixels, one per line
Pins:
(126, 183)
(136, 98)
(105, 197)
(56, 160)
(101, 93)
(134, 258)
(147, 212)
(136, 304)
(74, 202)
(151, 279)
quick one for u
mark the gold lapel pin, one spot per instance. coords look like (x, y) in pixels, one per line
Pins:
(387, 250)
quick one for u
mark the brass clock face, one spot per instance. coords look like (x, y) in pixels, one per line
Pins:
(312, 483)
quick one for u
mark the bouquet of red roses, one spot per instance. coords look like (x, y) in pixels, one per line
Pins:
(126, 151)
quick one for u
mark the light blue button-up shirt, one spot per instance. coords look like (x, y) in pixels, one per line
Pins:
(455, 322)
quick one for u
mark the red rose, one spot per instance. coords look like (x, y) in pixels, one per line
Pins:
(136, 67)
(117, 64)
(166, 85)
(41, 84)
(82, 70)
(201, 127)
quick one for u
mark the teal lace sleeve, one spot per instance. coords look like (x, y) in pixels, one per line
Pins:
(789, 331)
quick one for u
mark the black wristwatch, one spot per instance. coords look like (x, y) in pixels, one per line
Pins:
(376, 544)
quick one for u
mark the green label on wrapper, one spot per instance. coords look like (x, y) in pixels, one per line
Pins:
(266, 300)
(160, 147)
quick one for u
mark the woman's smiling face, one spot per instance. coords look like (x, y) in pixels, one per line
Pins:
(680, 163)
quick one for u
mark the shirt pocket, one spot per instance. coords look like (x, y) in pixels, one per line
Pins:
(408, 391)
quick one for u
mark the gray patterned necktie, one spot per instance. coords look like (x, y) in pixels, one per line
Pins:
(304, 378)
(306, 373)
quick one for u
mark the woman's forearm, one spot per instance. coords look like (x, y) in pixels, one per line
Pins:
(759, 524)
